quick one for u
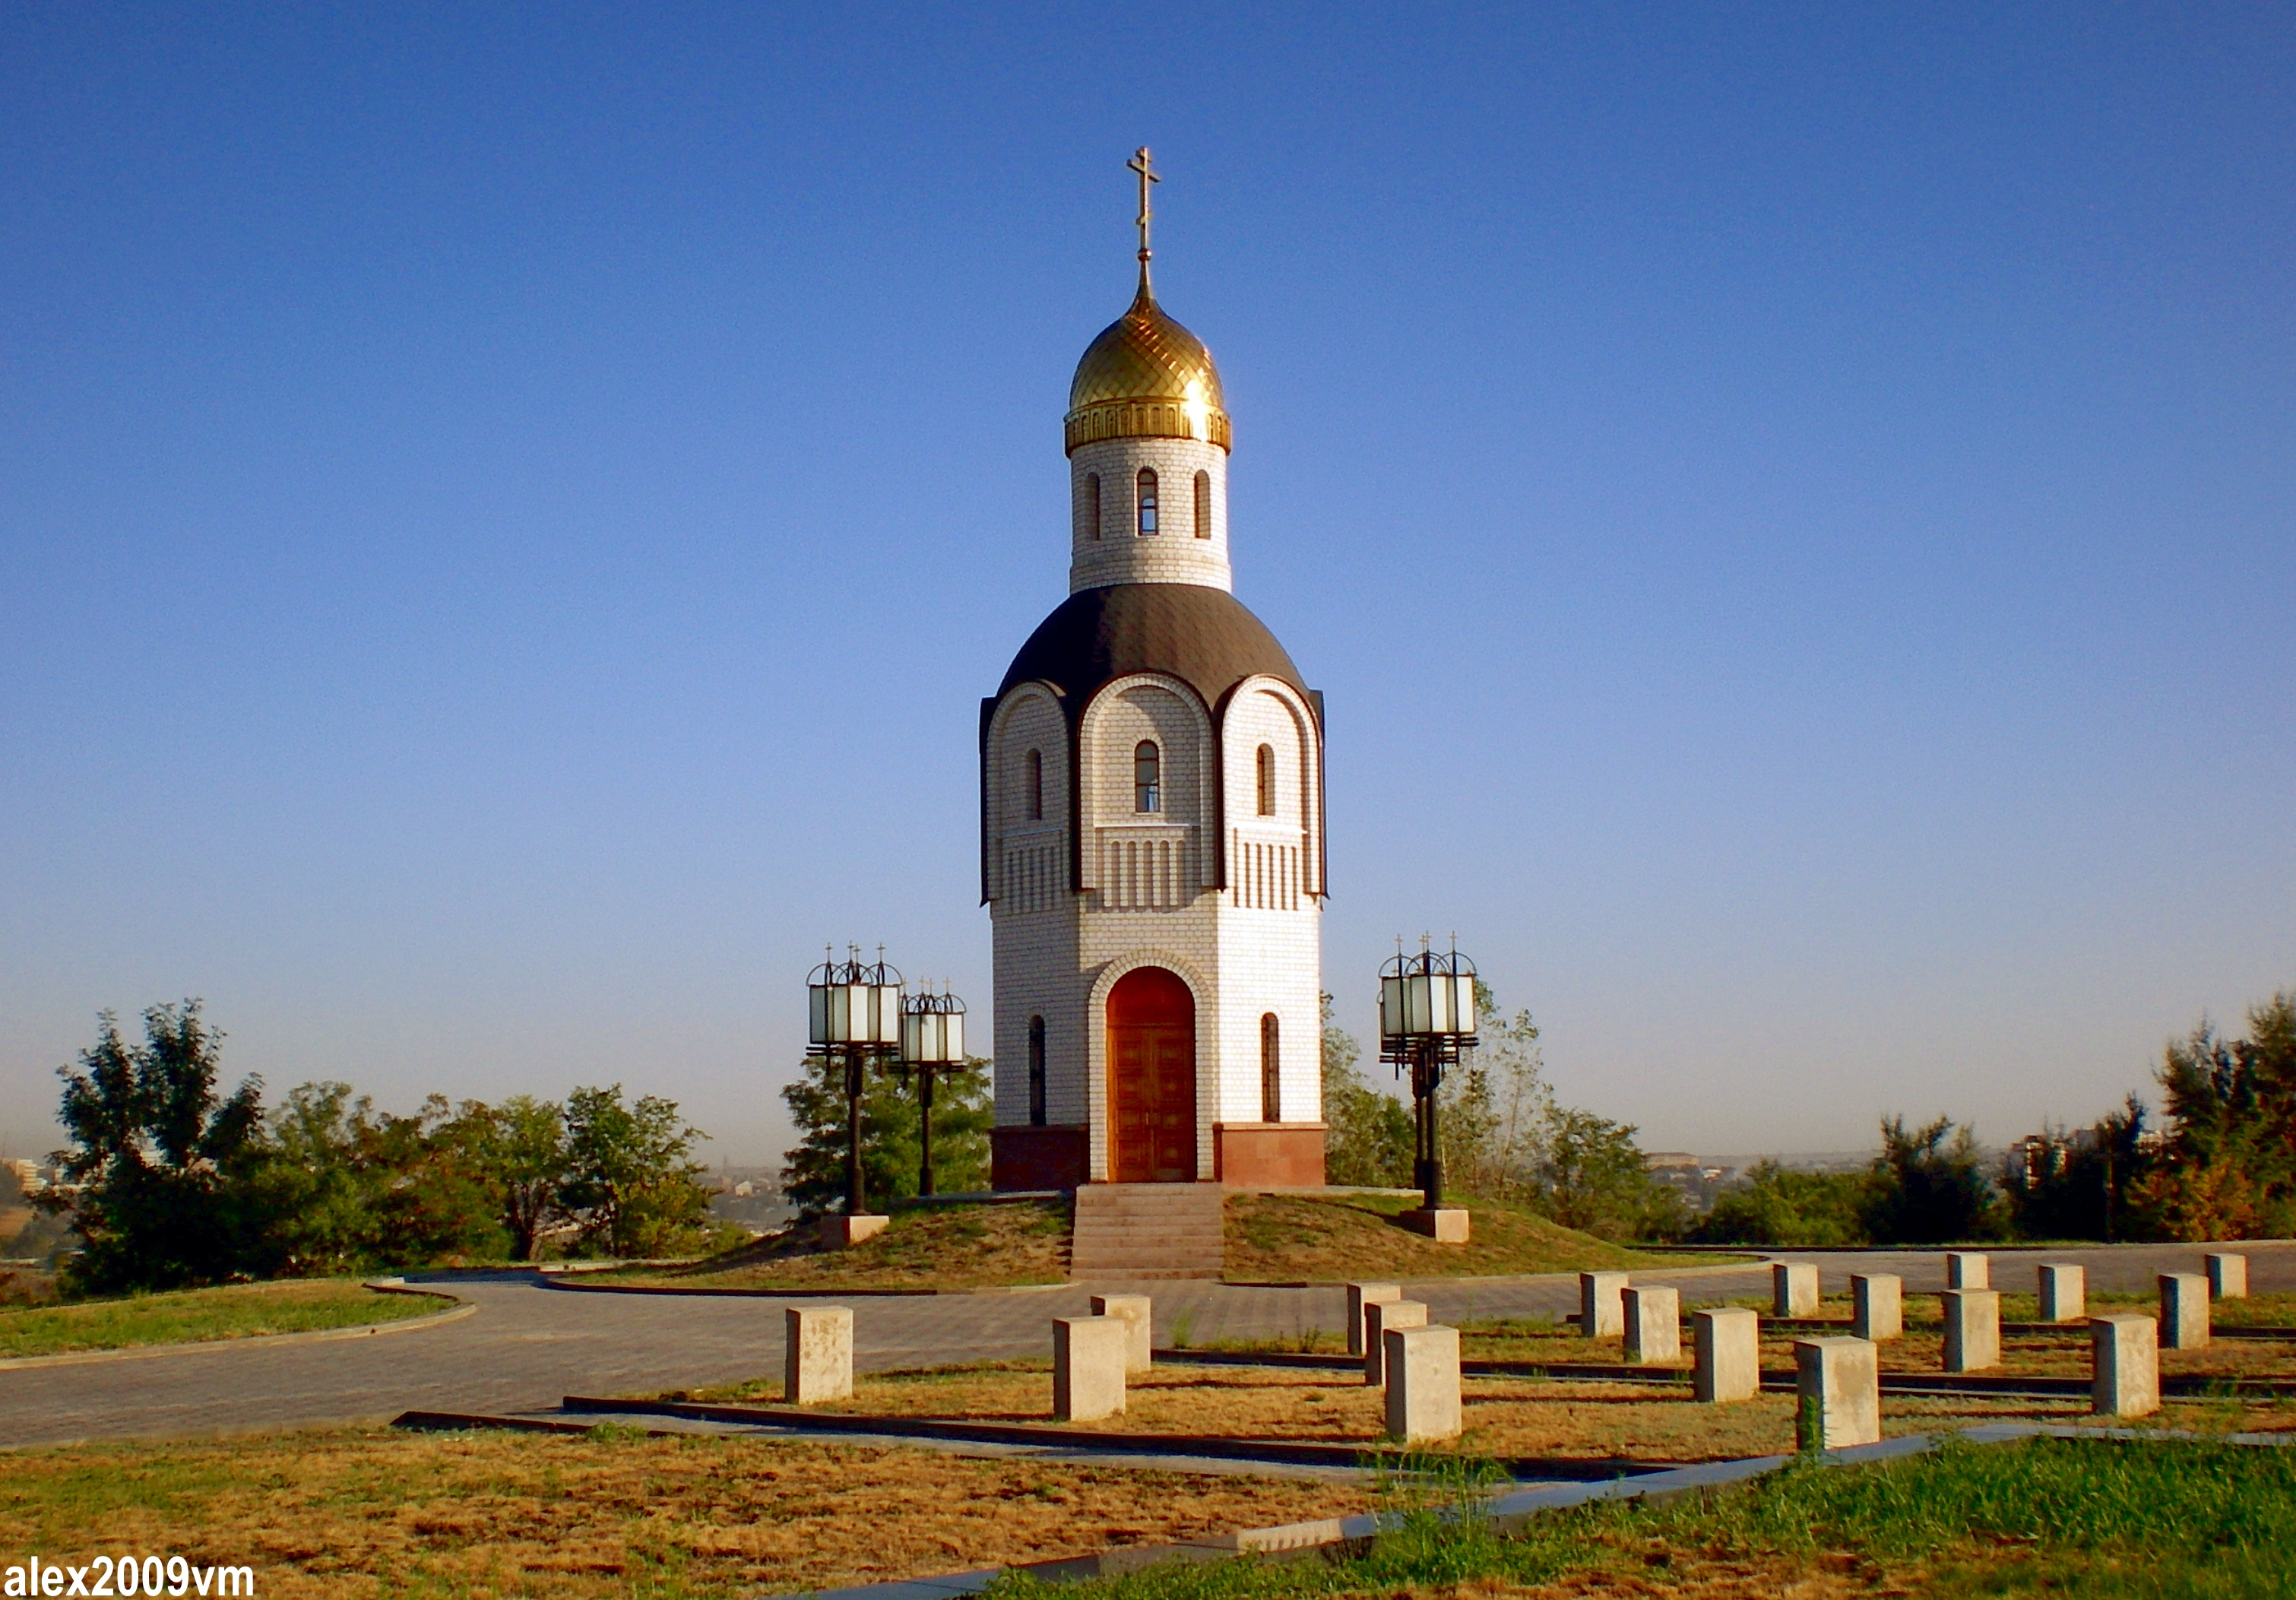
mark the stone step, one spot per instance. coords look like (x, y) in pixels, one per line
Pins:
(1147, 1231)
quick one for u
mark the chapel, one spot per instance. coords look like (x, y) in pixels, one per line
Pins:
(1151, 815)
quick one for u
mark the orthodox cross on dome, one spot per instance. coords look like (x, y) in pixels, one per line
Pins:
(1139, 164)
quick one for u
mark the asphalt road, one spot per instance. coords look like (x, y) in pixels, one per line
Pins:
(530, 1344)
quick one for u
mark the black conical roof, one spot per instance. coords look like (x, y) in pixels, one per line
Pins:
(1204, 636)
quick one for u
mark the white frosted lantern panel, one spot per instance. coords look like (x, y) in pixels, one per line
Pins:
(953, 1045)
(1464, 1009)
(816, 1013)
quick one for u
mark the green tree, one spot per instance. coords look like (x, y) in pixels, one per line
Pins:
(1367, 1139)
(1520, 1122)
(349, 1189)
(2229, 1170)
(1595, 1178)
(518, 1153)
(1931, 1188)
(813, 1174)
(2095, 1191)
(1790, 1210)
(155, 1177)
(630, 1183)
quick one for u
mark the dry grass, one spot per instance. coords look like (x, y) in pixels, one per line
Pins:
(936, 1247)
(1512, 1418)
(360, 1513)
(190, 1316)
(1301, 1238)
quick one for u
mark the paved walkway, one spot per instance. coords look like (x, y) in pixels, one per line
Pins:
(530, 1344)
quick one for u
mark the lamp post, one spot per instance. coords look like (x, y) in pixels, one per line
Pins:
(932, 1040)
(1426, 1018)
(854, 1012)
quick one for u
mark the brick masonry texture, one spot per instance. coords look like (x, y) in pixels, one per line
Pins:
(1173, 553)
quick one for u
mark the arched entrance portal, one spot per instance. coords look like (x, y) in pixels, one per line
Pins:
(1152, 1079)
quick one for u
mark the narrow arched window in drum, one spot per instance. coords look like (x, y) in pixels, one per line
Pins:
(1147, 500)
(1092, 503)
(1035, 1071)
(1271, 1071)
(1203, 506)
(1267, 780)
(1147, 777)
(1035, 778)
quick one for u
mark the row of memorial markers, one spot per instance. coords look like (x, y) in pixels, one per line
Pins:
(1417, 1362)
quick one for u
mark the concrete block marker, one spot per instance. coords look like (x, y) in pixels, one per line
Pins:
(2065, 1293)
(1654, 1326)
(2183, 1311)
(1134, 1311)
(843, 1233)
(1877, 1302)
(2227, 1278)
(1966, 1270)
(1422, 1384)
(1360, 1295)
(1728, 1357)
(1794, 1289)
(1088, 1360)
(1602, 1313)
(2126, 1347)
(816, 1354)
(1839, 1382)
(1446, 1225)
(1379, 1317)
(1973, 1329)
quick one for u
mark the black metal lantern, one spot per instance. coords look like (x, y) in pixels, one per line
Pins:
(854, 1012)
(1426, 1018)
(932, 1042)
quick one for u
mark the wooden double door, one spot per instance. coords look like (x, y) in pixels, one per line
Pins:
(1152, 1079)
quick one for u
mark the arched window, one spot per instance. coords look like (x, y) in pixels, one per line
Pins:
(1092, 503)
(1203, 506)
(1035, 1071)
(1147, 777)
(1271, 1071)
(1035, 779)
(1147, 500)
(1267, 779)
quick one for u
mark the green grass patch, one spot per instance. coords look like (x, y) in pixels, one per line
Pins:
(2042, 1516)
(195, 1316)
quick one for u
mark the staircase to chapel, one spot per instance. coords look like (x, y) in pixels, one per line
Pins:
(1147, 1231)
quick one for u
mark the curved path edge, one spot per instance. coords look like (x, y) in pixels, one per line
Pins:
(365, 1330)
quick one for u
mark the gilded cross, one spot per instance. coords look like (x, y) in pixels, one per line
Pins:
(1139, 164)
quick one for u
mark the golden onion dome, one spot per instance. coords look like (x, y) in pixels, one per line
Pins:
(1147, 377)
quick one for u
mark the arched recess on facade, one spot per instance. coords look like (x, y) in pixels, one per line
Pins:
(1002, 753)
(1104, 786)
(1207, 1021)
(1300, 761)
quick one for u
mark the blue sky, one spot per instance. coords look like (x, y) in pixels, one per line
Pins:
(506, 515)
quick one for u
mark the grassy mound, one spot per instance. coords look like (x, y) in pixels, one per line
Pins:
(192, 1316)
(935, 1247)
(1314, 1238)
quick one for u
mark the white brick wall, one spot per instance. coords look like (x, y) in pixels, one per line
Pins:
(1114, 551)
(1241, 959)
